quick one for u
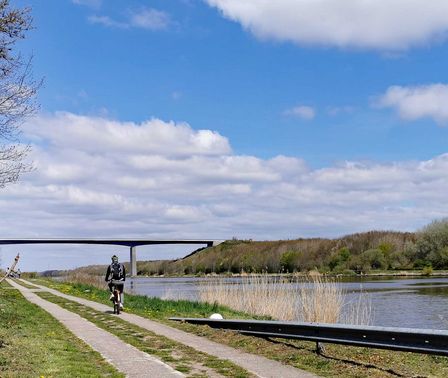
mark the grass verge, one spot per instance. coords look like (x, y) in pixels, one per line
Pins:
(34, 344)
(337, 361)
(182, 358)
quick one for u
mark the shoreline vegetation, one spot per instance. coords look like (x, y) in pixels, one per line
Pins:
(314, 298)
(373, 253)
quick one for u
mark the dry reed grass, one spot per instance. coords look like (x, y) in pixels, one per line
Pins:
(314, 298)
(84, 278)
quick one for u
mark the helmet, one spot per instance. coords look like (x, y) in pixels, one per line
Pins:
(114, 258)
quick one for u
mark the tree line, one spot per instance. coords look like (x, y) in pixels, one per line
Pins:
(351, 254)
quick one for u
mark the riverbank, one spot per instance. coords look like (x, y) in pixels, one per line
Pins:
(380, 273)
(99, 272)
(336, 362)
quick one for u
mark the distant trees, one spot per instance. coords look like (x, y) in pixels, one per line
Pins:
(17, 91)
(357, 253)
(432, 245)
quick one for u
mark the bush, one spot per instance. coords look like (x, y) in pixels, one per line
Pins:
(439, 258)
(432, 244)
(374, 258)
(338, 261)
(357, 265)
(398, 260)
(29, 275)
(427, 270)
(288, 261)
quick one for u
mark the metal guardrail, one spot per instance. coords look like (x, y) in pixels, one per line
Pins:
(400, 339)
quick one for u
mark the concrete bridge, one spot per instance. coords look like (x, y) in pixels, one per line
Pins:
(131, 243)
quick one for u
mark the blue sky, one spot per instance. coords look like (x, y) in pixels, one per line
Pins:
(208, 71)
(302, 104)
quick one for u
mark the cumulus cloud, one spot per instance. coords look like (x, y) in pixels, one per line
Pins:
(374, 24)
(411, 103)
(144, 18)
(302, 111)
(97, 177)
(101, 135)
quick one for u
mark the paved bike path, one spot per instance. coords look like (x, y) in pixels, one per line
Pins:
(260, 366)
(126, 358)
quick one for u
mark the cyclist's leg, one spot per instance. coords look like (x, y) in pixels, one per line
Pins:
(111, 288)
(121, 290)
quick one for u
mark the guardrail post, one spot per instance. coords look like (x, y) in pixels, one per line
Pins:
(133, 255)
(320, 348)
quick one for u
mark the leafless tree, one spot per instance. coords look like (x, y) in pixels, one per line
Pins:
(17, 92)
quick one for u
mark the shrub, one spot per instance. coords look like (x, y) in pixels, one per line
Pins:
(288, 261)
(427, 270)
(29, 275)
(374, 258)
(338, 261)
(439, 257)
(432, 243)
(398, 260)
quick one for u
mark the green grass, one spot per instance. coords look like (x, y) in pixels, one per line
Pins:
(182, 358)
(338, 361)
(34, 344)
(27, 285)
(154, 308)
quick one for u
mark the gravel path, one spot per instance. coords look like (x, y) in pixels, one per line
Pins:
(259, 366)
(126, 358)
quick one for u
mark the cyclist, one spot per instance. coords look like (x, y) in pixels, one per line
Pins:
(116, 272)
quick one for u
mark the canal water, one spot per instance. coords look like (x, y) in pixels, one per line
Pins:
(395, 302)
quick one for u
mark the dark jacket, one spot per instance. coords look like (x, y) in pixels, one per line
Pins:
(116, 272)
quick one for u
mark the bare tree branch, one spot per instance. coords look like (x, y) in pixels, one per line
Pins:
(17, 92)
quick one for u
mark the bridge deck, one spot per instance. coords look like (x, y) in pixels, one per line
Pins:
(131, 243)
(115, 241)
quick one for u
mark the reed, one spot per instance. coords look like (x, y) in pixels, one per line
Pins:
(314, 298)
(85, 278)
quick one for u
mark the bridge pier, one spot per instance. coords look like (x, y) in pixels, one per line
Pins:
(133, 261)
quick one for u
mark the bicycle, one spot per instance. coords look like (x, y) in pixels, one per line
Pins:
(116, 295)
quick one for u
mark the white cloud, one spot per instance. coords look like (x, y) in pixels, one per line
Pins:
(144, 18)
(424, 101)
(89, 3)
(101, 135)
(375, 24)
(338, 110)
(107, 21)
(302, 111)
(152, 19)
(98, 177)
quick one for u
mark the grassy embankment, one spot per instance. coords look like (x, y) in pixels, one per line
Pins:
(337, 361)
(34, 344)
(375, 253)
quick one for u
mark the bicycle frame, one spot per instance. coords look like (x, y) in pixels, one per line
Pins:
(117, 295)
